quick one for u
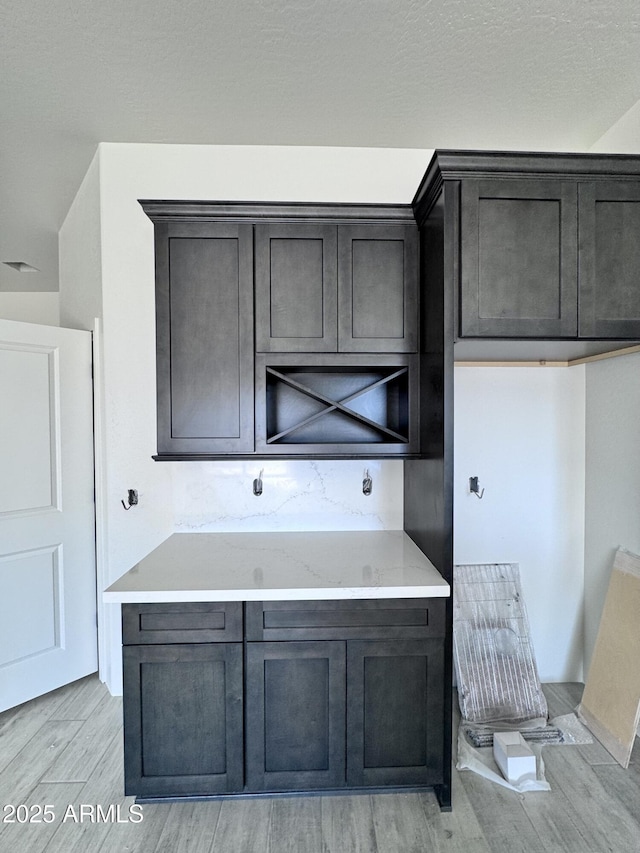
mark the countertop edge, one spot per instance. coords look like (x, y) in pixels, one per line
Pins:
(165, 596)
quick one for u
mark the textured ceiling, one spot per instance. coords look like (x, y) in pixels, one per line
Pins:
(505, 74)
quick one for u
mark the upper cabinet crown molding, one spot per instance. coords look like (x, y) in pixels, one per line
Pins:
(255, 211)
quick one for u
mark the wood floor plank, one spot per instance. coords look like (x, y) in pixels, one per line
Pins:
(80, 702)
(105, 789)
(16, 732)
(347, 825)
(624, 786)
(34, 836)
(400, 824)
(556, 822)
(501, 816)
(18, 725)
(243, 826)
(457, 831)
(595, 754)
(607, 823)
(189, 828)
(296, 825)
(21, 775)
(78, 761)
(106, 783)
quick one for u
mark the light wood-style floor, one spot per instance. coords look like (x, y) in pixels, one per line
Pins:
(65, 750)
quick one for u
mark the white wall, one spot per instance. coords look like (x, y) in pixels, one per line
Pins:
(79, 254)
(30, 307)
(612, 478)
(521, 432)
(613, 442)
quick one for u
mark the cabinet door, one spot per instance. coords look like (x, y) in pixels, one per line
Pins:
(377, 288)
(609, 258)
(296, 288)
(518, 259)
(295, 711)
(183, 719)
(204, 315)
(394, 712)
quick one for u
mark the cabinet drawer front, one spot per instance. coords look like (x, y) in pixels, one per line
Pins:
(206, 622)
(342, 620)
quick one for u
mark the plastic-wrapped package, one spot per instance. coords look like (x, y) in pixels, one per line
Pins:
(496, 672)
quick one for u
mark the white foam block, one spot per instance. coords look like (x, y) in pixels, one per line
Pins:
(513, 757)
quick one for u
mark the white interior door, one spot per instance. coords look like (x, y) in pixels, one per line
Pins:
(48, 633)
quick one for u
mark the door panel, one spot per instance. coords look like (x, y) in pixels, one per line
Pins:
(519, 259)
(295, 737)
(377, 288)
(394, 712)
(609, 223)
(183, 719)
(296, 288)
(204, 322)
(47, 523)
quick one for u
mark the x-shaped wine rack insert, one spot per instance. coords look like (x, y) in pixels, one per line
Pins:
(338, 405)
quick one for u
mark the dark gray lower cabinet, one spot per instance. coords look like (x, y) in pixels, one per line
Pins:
(183, 714)
(311, 695)
(295, 712)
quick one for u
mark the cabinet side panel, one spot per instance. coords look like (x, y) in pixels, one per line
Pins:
(428, 490)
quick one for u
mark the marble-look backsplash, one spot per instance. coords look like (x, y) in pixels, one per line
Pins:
(297, 494)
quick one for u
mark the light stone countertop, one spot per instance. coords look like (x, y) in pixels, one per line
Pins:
(281, 566)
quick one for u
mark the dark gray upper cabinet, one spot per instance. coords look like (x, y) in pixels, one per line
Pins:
(539, 245)
(336, 288)
(296, 288)
(204, 324)
(518, 242)
(331, 283)
(609, 233)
